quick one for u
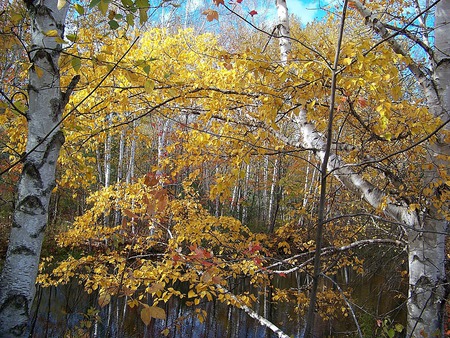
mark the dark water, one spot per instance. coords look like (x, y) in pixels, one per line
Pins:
(67, 311)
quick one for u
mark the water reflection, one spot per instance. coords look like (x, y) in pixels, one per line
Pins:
(62, 311)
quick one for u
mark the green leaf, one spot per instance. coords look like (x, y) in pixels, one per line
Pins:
(391, 333)
(103, 6)
(399, 327)
(130, 19)
(94, 3)
(143, 17)
(142, 4)
(146, 69)
(76, 63)
(113, 24)
(79, 9)
(127, 3)
(72, 37)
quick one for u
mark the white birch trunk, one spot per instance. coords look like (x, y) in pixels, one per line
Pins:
(162, 153)
(130, 169)
(245, 194)
(117, 214)
(107, 161)
(265, 197)
(427, 233)
(283, 30)
(46, 103)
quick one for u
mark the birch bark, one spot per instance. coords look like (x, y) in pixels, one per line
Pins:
(46, 103)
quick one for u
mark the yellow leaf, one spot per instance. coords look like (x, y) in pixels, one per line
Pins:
(149, 312)
(51, 33)
(157, 312)
(149, 85)
(16, 18)
(146, 315)
(155, 287)
(39, 71)
(61, 4)
(60, 40)
(104, 298)
(347, 61)
(191, 294)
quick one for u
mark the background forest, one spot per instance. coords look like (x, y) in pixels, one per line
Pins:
(227, 153)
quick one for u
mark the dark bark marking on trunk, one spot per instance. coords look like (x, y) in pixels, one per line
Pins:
(56, 109)
(20, 308)
(31, 205)
(39, 231)
(30, 170)
(57, 140)
(16, 225)
(23, 250)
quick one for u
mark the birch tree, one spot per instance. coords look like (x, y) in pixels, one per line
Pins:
(426, 228)
(46, 103)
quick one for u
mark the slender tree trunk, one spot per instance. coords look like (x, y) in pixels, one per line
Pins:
(131, 159)
(46, 103)
(107, 161)
(273, 199)
(107, 170)
(265, 195)
(164, 127)
(245, 196)
(117, 213)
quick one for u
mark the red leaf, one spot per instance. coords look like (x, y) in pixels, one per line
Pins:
(362, 102)
(253, 12)
(252, 248)
(176, 258)
(239, 1)
(257, 260)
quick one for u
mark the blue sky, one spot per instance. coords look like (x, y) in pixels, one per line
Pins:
(307, 10)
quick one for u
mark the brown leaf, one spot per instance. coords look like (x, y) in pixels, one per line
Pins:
(130, 213)
(211, 14)
(150, 180)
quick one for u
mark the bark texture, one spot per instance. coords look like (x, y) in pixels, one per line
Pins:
(46, 102)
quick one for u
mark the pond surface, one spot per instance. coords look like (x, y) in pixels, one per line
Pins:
(65, 311)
